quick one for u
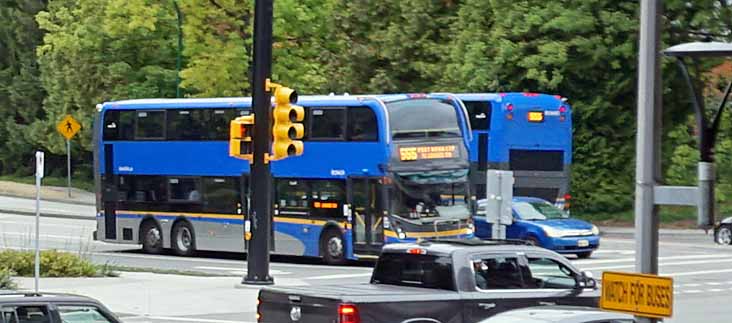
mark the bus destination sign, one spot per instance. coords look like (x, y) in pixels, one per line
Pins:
(427, 152)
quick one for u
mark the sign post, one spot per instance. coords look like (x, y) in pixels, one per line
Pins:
(39, 176)
(68, 127)
(499, 196)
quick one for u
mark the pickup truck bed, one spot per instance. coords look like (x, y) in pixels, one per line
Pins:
(437, 282)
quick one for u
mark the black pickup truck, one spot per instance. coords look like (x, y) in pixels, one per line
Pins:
(438, 282)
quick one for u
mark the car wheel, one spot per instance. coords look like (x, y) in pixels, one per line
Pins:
(584, 255)
(184, 241)
(151, 238)
(724, 235)
(533, 241)
(332, 248)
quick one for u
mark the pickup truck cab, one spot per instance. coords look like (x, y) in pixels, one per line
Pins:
(438, 282)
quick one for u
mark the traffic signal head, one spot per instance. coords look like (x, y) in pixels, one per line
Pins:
(287, 129)
(240, 138)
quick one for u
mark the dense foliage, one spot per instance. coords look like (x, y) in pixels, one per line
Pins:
(65, 56)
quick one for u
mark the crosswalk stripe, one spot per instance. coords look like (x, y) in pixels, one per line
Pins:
(696, 262)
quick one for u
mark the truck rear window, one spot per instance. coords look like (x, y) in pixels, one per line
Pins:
(425, 271)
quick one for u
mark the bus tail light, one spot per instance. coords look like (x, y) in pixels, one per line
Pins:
(348, 313)
(562, 109)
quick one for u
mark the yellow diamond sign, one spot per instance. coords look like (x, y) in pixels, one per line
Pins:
(68, 127)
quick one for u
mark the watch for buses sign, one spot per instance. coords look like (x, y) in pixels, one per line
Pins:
(68, 127)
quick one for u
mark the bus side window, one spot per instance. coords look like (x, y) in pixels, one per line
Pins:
(119, 125)
(220, 194)
(327, 124)
(186, 124)
(219, 120)
(327, 197)
(185, 189)
(150, 125)
(362, 125)
(480, 114)
(292, 194)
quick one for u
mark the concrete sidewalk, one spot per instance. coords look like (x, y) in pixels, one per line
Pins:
(48, 193)
(147, 297)
(26, 206)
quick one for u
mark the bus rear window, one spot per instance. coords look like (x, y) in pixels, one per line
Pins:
(426, 271)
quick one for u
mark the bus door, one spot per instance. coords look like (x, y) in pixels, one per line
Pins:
(366, 215)
(109, 196)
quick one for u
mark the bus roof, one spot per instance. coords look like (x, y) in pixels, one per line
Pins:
(245, 102)
(498, 97)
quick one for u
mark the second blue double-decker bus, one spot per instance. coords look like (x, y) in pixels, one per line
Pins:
(528, 133)
(375, 169)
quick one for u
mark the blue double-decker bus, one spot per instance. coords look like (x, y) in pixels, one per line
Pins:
(375, 170)
(527, 133)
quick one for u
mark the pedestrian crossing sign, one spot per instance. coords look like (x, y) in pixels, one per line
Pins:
(68, 127)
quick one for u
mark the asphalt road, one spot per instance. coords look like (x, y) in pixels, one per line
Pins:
(702, 270)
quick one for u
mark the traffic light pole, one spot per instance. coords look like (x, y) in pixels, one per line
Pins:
(261, 181)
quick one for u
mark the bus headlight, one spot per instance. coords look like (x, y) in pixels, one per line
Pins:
(401, 234)
(552, 232)
(595, 230)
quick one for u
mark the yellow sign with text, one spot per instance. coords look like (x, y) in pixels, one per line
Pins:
(427, 152)
(68, 127)
(642, 295)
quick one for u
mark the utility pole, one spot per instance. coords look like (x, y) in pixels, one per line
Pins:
(261, 217)
(647, 142)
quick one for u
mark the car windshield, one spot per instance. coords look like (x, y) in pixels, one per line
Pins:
(538, 211)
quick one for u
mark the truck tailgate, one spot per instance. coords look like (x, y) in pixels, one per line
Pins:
(375, 303)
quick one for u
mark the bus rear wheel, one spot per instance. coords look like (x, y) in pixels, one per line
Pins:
(184, 242)
(332, 248)
(151, 238)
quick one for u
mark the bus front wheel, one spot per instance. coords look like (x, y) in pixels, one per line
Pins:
(151, 238)
(184, 242)
(332, 247)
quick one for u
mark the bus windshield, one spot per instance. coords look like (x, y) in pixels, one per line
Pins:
(417, 201)
(421, 118)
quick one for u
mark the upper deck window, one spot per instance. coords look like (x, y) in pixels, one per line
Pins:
(119, 125)
(327, 124)
(480, 114)
(150, 125)
(187, 124)
(362, 125)
(422, 118)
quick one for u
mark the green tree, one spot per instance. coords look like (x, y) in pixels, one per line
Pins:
(21, 93)
(101, 50)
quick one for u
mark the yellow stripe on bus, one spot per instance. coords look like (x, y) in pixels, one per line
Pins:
(428, 234)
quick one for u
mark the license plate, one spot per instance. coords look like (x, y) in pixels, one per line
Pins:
(583, 243)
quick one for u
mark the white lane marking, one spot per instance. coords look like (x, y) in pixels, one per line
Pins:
(693, 291)
(180, 319)
(713, 283)
(337, 276)
(630, 259)
(712, 245)
(620, 251)
(694, 273)
(690, 285)
(240, 270)
(714, 290)
(680, 263)
(47, 236)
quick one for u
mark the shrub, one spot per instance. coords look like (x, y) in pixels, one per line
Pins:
(53, 264)
(6, 279)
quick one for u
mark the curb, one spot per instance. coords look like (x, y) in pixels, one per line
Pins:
(48, 215)
(5, 194)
